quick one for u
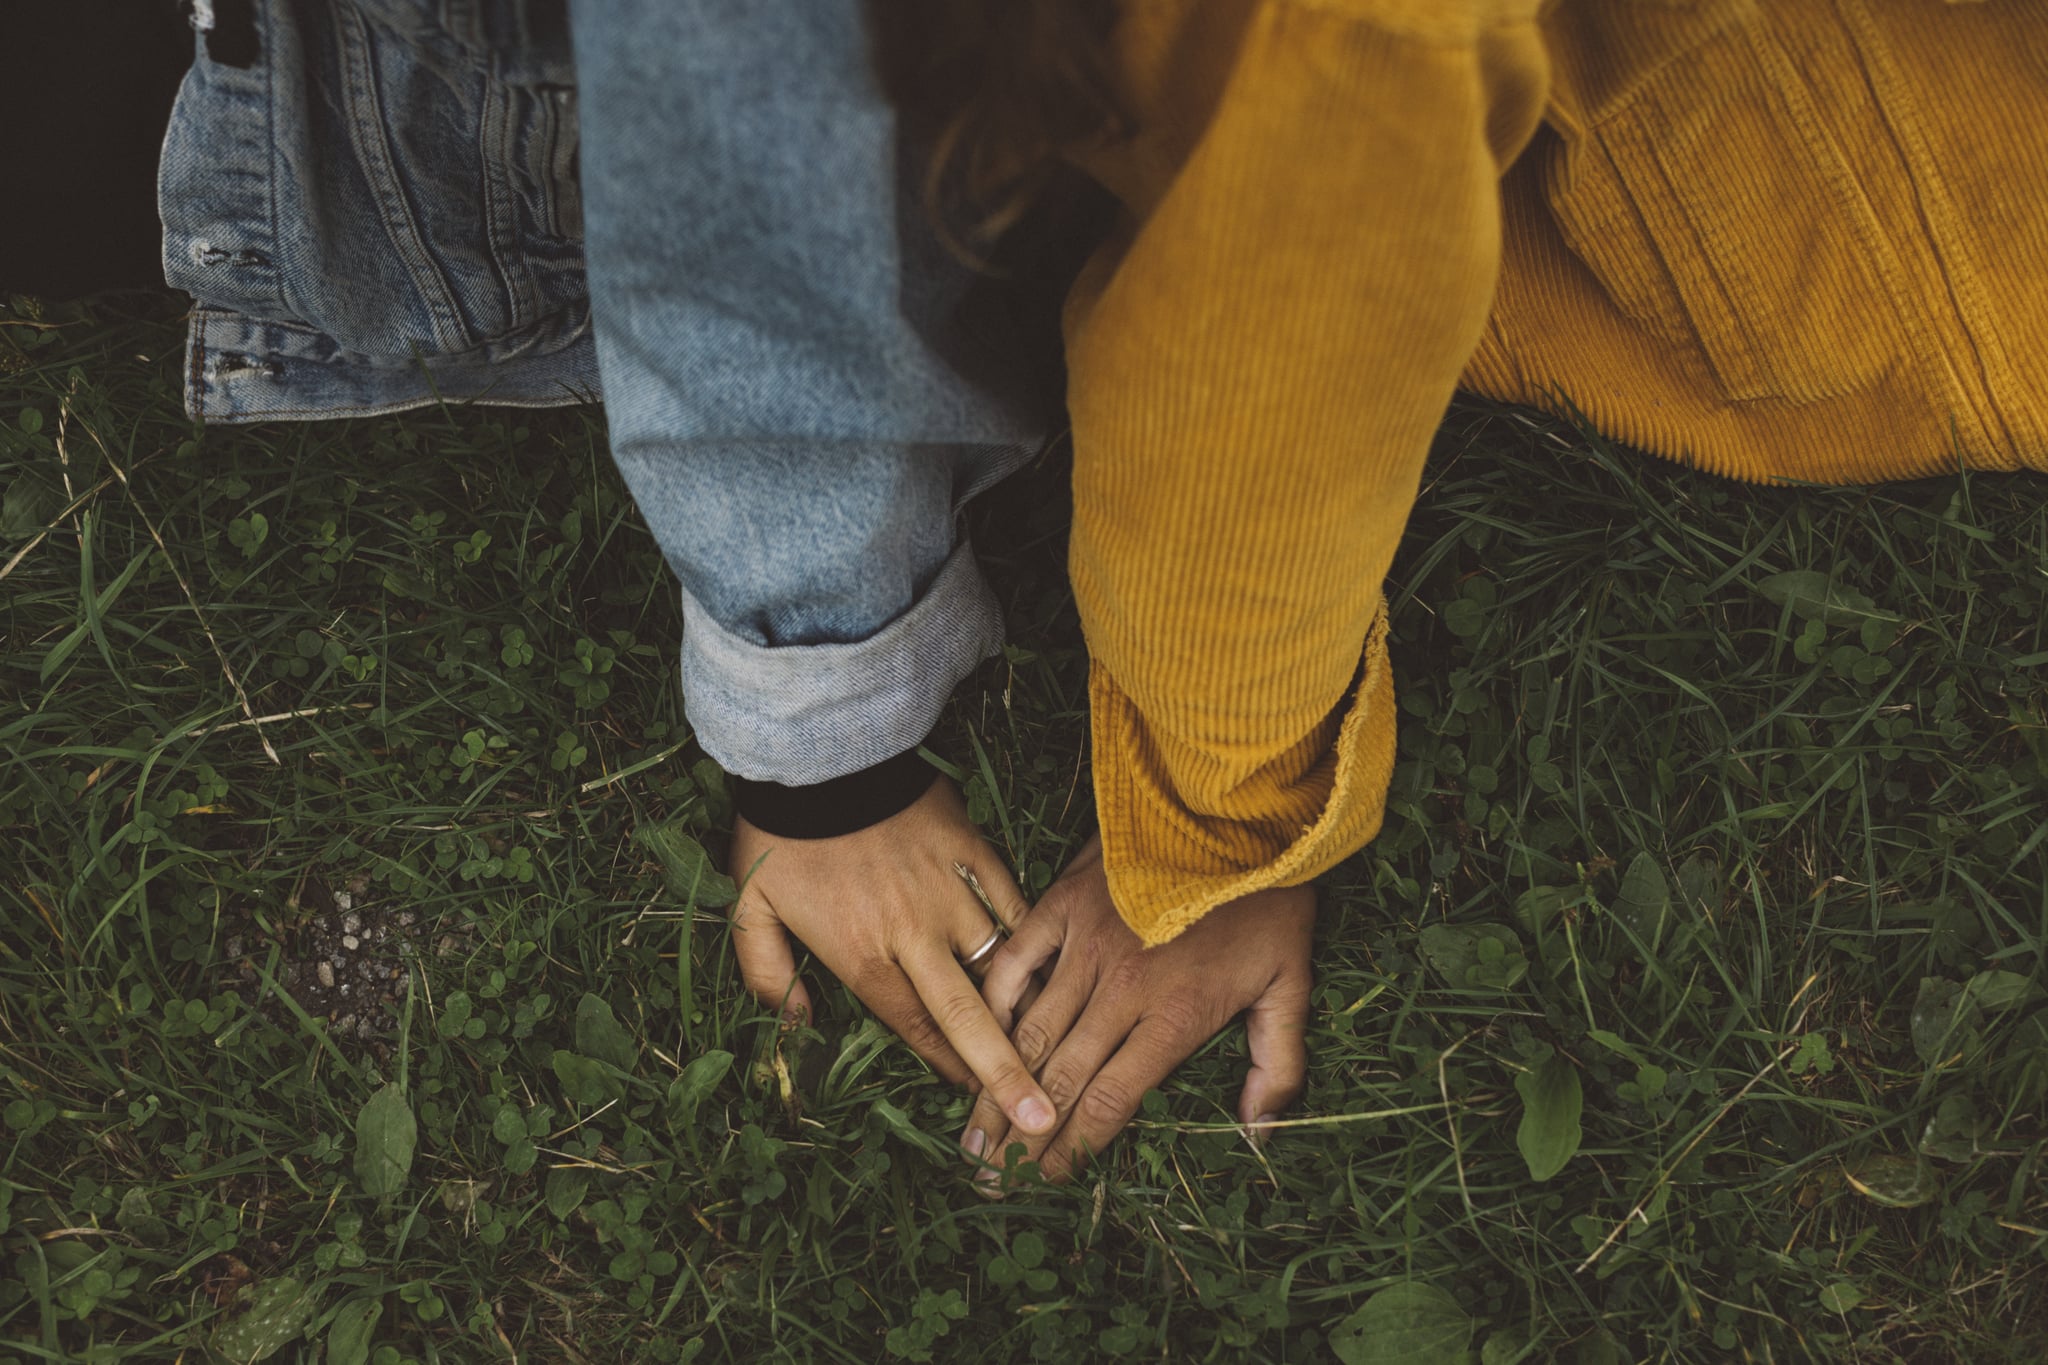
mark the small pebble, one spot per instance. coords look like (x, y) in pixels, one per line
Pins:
(351, 924)
(343, 900)
(325, 971)
(351, 942)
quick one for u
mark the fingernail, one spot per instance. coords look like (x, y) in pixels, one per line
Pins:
(1259, 1133)
(1034, 1115)
(976, 1141)
(988, 1182)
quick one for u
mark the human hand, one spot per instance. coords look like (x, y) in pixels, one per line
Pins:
(1115, 1018)
(886, 910)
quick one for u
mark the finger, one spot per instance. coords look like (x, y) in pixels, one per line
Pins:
(997, 889)
(988, 1128)
(1155, 1047)
(977, 934)
(897, 1002)
(1276, 1027)
(1045, 1021)
(950, 996)
(1104, 1024)
(767, 964)
(1010, 970)
(976, 953)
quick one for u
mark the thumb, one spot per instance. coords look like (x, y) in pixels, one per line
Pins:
(767, 964)
(1276, 1026)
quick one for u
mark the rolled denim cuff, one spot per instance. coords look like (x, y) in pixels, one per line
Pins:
(801, 714)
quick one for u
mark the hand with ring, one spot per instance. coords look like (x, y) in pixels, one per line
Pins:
(902, 912)
(1113, 1018)
(977, 961)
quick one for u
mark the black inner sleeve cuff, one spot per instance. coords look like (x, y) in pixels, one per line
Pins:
(838, 806)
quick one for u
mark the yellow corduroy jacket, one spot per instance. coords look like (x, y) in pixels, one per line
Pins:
(1797, 239)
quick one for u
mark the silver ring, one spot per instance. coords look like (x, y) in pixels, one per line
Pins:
(986, 950)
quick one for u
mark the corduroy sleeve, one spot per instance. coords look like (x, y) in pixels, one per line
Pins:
(1257, 364)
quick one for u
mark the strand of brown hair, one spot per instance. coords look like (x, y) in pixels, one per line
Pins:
(998, 91)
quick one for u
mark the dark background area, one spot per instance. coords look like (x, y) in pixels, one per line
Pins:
(83, 108)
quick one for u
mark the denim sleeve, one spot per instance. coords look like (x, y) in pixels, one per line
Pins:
(800, 392)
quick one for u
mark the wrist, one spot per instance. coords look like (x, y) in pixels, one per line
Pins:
(840, 805)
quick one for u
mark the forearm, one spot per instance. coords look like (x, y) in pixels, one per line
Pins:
(1255, 380)
(786, 378)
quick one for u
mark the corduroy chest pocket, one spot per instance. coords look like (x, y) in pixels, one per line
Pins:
(1695, 178)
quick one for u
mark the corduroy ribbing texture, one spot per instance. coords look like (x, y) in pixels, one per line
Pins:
(1799, 240)
(1256, 369)
(1803, 240)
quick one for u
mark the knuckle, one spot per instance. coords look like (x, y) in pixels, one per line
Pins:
(866, 979)
(922, 1032)
(1292, 1006)
(1106, 1104)
(1296, 973)
(1179, 1015)
(1007, 1079)
(956, 1013)
(1033, 1041)
(761, 980)
(1061, 1086)
(1129, 976)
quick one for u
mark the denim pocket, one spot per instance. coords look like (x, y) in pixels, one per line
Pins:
(556, 169)
(459, 122)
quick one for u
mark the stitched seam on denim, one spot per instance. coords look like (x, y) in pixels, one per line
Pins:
(559, 188)
(373, 151)
(501, 221)
(491, 352)
(224, 402)
(397, 405)
(267, 17)
(195, 360)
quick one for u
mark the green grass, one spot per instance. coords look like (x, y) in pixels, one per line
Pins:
(1722, 808)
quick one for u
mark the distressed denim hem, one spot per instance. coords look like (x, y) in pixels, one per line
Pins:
(800, 714)
(244, 369)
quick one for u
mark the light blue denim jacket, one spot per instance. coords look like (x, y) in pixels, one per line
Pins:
(384, 208)
(379, 211)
